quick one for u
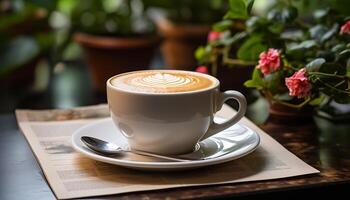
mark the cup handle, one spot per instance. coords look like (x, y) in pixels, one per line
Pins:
(223, 97)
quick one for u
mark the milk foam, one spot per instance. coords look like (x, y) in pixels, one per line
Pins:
(158, 81)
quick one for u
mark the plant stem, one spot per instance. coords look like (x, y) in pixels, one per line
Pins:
(329, 75)
(215, 61)
(298, 106)
(287, 64)
(340, 83)
(332, 87)
(238, 62)
(231, 61)
(214, 68)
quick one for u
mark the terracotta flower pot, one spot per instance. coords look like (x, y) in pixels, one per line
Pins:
(22, 77)
(108, 56)
(38, 21)
(281, 114)
(285, 120)
(181, 41)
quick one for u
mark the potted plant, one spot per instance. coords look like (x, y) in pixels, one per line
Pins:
(300, 63)
(116, 37)
(25, 37)
(185, 26)
(305, 65)
(225, 55)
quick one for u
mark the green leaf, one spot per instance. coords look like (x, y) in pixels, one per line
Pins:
(322, 33)
(307, 44)
(256, 81)
(67, 6)
(347, 74)
(330, 33)
(343, 54)
(295, 35)
(317, 101)
(338, 48)
(202, 54)
(252, 84)
(283, 97)
(45, 40)
(315, 64)
(238, 10)
(229, 40)
(251, 48)
(16, 53)
(250, 4)
(276, 28)
(286, 14)
(272, 82)
(222, 25)
(317, 32)
(255, 23)
(319, 14)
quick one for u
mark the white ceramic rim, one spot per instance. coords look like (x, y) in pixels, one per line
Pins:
(158, 165)
(216, 83)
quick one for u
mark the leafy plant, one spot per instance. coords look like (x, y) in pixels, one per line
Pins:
(110, 17)
(24, 32)
(319, 48)
(191, 11)
(223, 50)
(298, 62)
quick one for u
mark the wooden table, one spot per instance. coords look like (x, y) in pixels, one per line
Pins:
(22, 178)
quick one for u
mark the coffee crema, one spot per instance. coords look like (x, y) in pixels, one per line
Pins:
(161, 81)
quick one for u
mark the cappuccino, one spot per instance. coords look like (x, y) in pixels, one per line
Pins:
(162, 81)
(168, 112)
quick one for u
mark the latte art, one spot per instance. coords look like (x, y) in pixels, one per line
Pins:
(162, 80)
(158, 81)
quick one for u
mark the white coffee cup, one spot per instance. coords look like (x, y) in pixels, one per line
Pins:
(170, 123)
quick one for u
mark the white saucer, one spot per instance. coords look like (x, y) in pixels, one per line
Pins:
(230, 144)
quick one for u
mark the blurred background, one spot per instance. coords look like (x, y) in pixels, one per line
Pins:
(59, 53)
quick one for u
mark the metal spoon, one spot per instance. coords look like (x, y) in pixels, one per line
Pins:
(111, 148)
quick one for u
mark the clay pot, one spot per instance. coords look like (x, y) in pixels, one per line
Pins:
(281, 114)
(22, 77)
(38, 21)
(180, 43)
(108, 56)
(292, 124)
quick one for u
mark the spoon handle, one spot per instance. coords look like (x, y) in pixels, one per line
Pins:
(157, 156)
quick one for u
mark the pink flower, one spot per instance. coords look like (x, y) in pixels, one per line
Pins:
(213, 36)
(345, 29)
(269, 61)
(202, 69)
(298, 84)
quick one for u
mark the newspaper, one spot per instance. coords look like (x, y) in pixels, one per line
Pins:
(71, 175)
